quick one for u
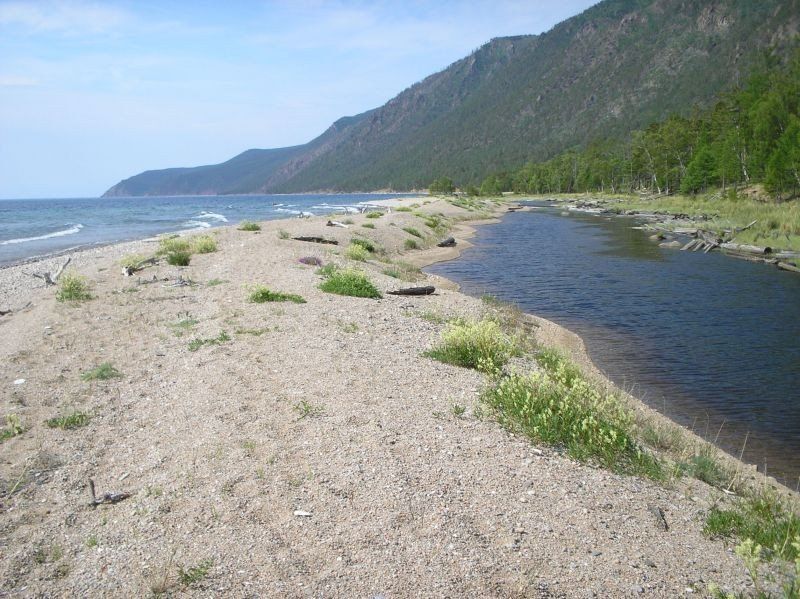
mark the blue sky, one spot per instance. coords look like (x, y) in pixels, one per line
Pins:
(93, 92)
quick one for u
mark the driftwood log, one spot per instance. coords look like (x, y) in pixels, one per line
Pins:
(447, 243)
(106, 497)
(336, 223)
(128, 271)
(52, 279)
(746, 249)
(427, 290)
(316, 240)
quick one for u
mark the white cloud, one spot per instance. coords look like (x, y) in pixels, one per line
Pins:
(63, 16)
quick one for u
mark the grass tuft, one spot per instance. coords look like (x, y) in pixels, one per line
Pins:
(411, 244)
(283, 234)
(374, 214)
(350, 282)
(197, 343)
(481, 345)
(364, 243)
(179, 258)
(413, 231)
(403, 209)
(204, 244)
(103, 372)
(356, 252)
(261, 294)
(13, 427)
(248, 225)
(72, 287)
(70, 421)
(194, 574)
(368, 225)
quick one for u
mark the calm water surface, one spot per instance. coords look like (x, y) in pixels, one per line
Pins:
(709, 340)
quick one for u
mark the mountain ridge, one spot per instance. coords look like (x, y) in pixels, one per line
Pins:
(617, 66)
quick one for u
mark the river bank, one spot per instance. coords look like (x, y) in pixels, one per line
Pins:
(311, 450)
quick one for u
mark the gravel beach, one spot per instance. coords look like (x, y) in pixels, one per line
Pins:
(315, 452)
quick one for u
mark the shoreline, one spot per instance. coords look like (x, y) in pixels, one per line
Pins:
(314, 450)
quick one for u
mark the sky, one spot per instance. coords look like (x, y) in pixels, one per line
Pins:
(95, 92)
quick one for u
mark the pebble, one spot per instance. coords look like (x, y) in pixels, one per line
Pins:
(19, 381)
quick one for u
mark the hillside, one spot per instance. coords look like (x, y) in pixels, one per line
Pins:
(616, 67)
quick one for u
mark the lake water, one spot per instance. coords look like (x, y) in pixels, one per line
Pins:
(38, 227)
(711, 341)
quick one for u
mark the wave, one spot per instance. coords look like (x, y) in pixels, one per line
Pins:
(213, 216)
(71, 231)
(287, 210)
(196, 224)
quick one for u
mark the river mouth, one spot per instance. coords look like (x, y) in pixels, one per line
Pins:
(710, 341)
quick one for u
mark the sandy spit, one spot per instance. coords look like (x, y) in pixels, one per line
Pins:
(314, 454)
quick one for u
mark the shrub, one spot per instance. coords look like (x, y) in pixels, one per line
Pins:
(403, 209)
(364, 243)
(204, 244)
(179, 258)
(72, 287)
(356, 252)
(574, 414)
(13, 428)
(374, 214)
(368, 225)
(248, 225)
(481, 345)
(412, 231)
(74, 420)
(260, 294)
(350, 282)
(169, 245)
(132, 260)
(411, 244)
(103, 372)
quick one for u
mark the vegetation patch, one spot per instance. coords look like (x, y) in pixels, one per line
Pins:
(173, 243)
(248, 225)
(357, 252)
(310, 261)
(133, 261)
(411, 244)
(480, 344)
(558, 409)
(70, 421)
(403, 209)
(413, 231)
(215, 282)
(179, 258)
(261, 294)
(190, 575)
(403, 271)
(13, 427)
(374, 214)
(364, 243)
(305, 409)
(350, 282)
(184, 325)
(72, 287)
(204, 244)
(103, 372)
(368, 225)
(283, 234)
(197, 343)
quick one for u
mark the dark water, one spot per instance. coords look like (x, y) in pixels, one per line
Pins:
(709, 340)
(39, 227)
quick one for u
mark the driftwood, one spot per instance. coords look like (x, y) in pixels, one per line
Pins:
(746, 249)
(107, 498)
(4, 312)
(427, 290)
(51, 279)
(787, 266)
(128, 271)
(447, 243)
(336, 223)
(316, 240)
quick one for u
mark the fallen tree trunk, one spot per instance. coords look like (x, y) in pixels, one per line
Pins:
(746, 249)
(427, 290)
(787, 266)
(52, 279)
(316, 240)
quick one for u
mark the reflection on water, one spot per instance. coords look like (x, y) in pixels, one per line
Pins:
(709, 340)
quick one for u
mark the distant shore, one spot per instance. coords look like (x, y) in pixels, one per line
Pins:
(305, 447)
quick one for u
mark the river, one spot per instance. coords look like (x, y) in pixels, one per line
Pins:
(711, 341)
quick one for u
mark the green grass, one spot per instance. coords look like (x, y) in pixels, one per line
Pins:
(413, 231)
(179, 258)
(260, 294)
(357, 252)
(374, 214)
(184, 325)
(778, 223)
(103, 372)
(403, 271)
(70, 421)
(368, 225)
(197, 343)
(761, 517)
(704, 465)
(554, 361)
(215, 282)
(403, 209)
(556, 409)
(72, 287)
(350, 282)
(173, 243)
(410, 244)
(283, 234)
(364, 243)
(305, 409)
(193, 574)
(13, 427)
(478, 344)
(248, 225)
(253, 332)
(204, 244)
(327, 270)
(132, 260)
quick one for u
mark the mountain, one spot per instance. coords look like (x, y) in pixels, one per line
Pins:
(618, 66)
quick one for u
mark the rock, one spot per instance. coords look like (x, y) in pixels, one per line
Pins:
(670, 244)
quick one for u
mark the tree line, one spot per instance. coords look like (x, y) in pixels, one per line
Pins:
(751, 135)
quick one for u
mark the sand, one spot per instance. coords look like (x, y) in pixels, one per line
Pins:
(316, 453)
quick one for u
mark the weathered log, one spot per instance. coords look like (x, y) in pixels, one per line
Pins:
(106, 497)
(128, 271)
(447, 243)
(312, 239)
(787, 266)
(51, 279)
(336, 223)
(684, 231)
(427, 290)
(746, 249)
